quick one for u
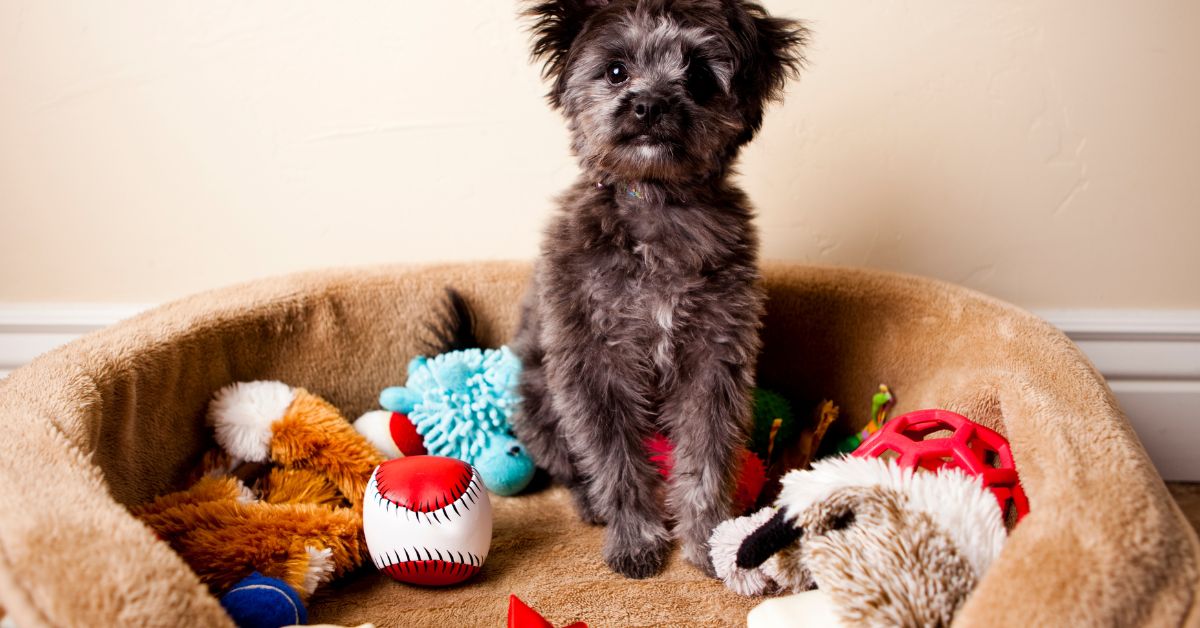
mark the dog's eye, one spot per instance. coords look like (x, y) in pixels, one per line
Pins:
(701, 83)
(616, 73)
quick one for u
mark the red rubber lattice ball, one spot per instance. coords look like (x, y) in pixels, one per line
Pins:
(912, 440)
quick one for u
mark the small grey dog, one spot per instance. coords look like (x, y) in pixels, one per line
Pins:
(644, 310)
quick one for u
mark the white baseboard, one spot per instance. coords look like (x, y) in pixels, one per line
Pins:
(28, 330)
(1150, 358)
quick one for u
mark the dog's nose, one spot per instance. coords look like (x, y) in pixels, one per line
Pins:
(649, 109)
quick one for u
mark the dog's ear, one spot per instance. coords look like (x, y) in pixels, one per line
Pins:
(770, 51)
(556, 24)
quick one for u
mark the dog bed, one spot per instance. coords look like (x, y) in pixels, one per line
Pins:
(116, 417)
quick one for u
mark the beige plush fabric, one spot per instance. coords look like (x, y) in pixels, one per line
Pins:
(116, 417)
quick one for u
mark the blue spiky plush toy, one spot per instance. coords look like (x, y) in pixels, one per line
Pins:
(459, 403)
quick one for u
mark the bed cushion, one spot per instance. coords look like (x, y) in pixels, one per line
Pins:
(116, 417)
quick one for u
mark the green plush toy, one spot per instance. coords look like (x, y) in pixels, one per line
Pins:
(774, 424)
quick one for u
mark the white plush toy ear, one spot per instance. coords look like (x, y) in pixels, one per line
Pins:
(241, 415)
(375, 426)
(725, 544)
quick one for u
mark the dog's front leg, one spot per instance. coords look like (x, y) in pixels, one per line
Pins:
(706, 415)
(601, 396)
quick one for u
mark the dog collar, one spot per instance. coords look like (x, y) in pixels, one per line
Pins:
(630, 191)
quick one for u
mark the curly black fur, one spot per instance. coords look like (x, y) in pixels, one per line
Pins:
(454, 329)
(644, 310)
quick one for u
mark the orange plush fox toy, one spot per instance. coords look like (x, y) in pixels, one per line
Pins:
(283, 497)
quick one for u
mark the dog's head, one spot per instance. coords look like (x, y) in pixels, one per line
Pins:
(664, 90)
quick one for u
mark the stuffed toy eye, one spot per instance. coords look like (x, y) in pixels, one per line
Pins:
(616, 73)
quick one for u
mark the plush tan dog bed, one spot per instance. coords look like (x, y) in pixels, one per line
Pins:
(116, 417)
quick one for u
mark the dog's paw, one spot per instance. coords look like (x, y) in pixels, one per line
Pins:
(635, 557)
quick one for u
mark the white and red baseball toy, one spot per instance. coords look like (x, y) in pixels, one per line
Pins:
(427, 520)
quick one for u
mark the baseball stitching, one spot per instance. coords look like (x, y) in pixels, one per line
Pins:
(468, 490)
(454, 562)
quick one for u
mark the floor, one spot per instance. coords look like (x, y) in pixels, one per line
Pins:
(1187, 495)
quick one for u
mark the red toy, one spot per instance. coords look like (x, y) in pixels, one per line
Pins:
(405, 435)
(751, 476)
(521, 616)
(427, 520)
(971, 448)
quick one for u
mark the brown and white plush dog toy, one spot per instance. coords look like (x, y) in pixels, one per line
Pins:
(887, 546)
(293, 513)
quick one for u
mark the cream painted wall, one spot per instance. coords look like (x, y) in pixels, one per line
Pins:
(1042, 151)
